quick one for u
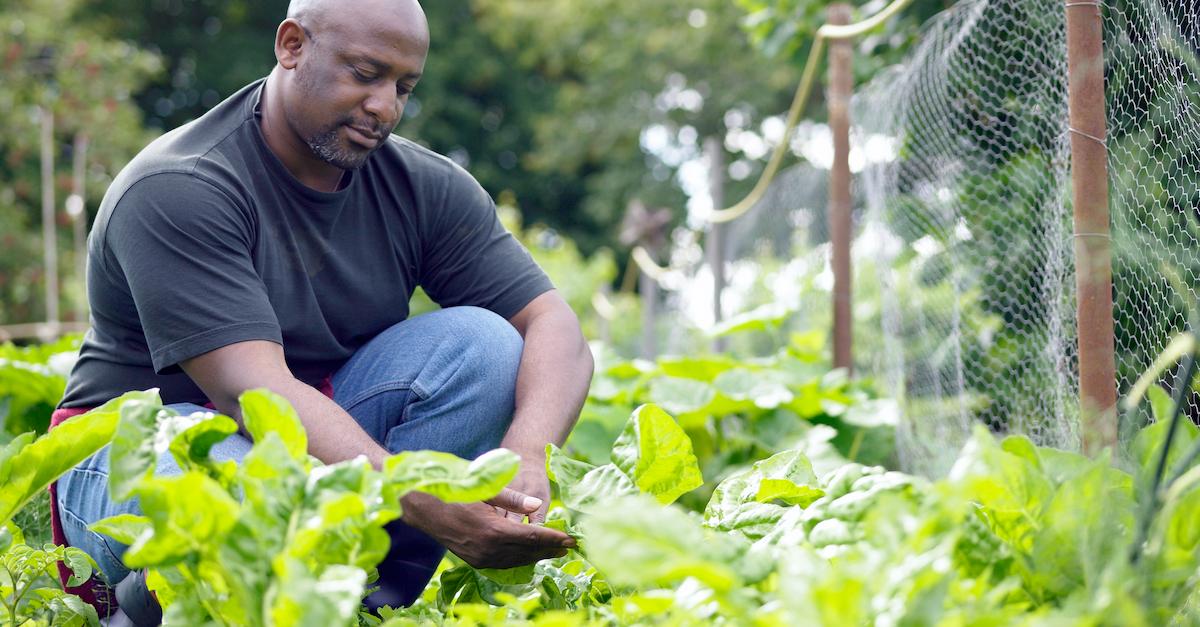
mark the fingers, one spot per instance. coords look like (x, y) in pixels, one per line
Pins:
(539, 517)
(515, 502)
(535, 536)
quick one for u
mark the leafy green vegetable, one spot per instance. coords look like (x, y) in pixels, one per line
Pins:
(280, 538)
(654, 452)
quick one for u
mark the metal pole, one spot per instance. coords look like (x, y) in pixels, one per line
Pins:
(77, 209)
(841, 87)
(49, 243)
(1093, 243)
(714, 151)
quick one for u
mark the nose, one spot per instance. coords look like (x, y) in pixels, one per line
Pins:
(383, 104)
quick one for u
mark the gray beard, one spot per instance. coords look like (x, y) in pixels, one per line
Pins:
(327, 148)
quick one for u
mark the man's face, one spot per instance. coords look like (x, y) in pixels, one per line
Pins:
(351, 86)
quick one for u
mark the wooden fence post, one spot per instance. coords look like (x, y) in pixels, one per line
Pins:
(1093, 240)
(49, 233)
(841, 88)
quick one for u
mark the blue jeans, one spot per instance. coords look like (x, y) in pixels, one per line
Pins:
(443, 381)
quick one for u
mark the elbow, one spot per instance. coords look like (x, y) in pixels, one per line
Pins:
(587, 362)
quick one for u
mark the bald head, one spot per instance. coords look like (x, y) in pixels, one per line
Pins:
(345, 72)
(405, 16)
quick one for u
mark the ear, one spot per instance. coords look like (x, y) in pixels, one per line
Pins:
(290, 40)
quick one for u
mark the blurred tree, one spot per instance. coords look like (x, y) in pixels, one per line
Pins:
(473, 104)
(639, 87)
(50, 58)
(210, 49)
(785, 29)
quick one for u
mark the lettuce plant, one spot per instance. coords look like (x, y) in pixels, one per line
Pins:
(280, 539)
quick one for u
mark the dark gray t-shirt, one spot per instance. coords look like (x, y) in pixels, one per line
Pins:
(205, 239)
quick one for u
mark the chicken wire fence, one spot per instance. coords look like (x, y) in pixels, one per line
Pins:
(970, 225)
(964, 276)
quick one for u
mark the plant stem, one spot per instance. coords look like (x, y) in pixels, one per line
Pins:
(1182, 386)
(857, 443)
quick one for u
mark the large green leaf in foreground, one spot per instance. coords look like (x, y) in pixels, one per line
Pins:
(28, 467)
(280, 539)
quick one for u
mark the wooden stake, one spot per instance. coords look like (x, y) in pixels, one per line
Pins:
(79, 216)
(49, 233)
(1093, 240)
(714, 245)
(841, 88)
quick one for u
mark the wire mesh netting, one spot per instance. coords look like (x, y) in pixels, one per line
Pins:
(972, 221)
(964, 285)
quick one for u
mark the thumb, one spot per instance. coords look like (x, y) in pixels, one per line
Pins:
(514, 501)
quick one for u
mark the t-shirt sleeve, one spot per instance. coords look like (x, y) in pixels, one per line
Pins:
(184, 249)
(471, 259)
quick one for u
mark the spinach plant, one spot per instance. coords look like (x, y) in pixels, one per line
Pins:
(280, 539)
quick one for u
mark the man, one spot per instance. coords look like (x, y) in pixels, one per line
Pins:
(275, 243)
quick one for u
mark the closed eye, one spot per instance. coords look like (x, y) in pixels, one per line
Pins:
(363, 76)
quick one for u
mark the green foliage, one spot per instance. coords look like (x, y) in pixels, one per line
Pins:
(32, 380)
(53, 58)
(620, 70)
(279, 540)
(738, 411)
(1017, 534)
(30, 591)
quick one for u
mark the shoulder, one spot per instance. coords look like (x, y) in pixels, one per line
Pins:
(210, 148)
(172, 203)
(431, 175)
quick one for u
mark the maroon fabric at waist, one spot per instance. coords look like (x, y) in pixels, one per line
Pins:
(92, 591)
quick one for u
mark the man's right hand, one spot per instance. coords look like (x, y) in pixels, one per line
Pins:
(481, 535)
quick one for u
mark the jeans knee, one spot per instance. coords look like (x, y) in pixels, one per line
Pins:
(492, 341)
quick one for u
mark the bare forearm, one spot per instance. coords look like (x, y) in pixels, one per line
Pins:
(552, 383)
(333, 434)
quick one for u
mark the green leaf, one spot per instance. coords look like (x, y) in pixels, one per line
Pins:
(786, 476)
(509, 576)
(71, 611)
(657, 455)
(872, 414)
(192, 446)
(680, 396)
(450, 478)
(79, 563)
(636, 542)
(132, 457)
(1148, 443)
(300, 598)
(1061, 466)
(563, 470)
(705, 369)
(32, 468)
(10, 451)
(746, 500)
(124, 528)
(189, 513)
(1182, 534)
(764, 318)
(264, 411)
(1180, 345)
(1086, 526)
(761, 388)
(1011, 489)
(596, 488)
(1161, 403)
